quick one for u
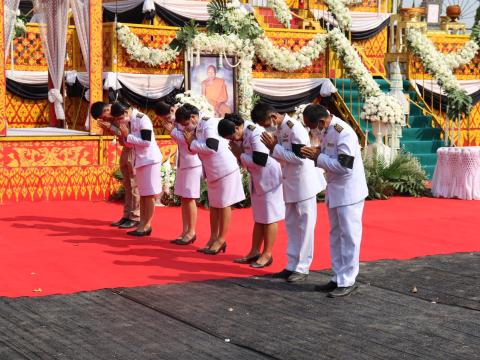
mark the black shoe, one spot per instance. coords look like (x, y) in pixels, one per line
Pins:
(119, 222)
(296, 277)
(330, 286)
(129, 224)
(247, 259)
(140, 233)
(222, 248)
(284, 274)
(256, 265)
(180, 241)
(343, 291)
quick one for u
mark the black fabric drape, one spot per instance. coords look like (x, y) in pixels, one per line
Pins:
(173, 19)
(28, 91)
(436, 98)
(125, 95)
(77, 90)
(285, 104)
(26, 7)
(133, 16)
(363, 35)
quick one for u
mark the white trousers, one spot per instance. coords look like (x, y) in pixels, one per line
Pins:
(300, 219)
(345, 238)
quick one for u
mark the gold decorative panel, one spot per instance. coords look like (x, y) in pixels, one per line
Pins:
(24, 113)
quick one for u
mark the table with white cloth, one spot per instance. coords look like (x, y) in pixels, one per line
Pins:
(457, 173)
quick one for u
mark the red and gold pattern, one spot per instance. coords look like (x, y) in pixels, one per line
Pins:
(24, 113)
(96, 56)
(374, 49)
(365, 6)
(3, 88)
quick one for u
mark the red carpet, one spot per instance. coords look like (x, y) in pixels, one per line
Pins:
(65, 247)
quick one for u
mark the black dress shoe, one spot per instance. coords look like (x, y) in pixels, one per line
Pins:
(129, 224)
(222, 248)
(343, 291)
(330, 286)
(247, 259)
(140, 232)
(119, 222)
(256, 265)
(181, 241)
(284, 274)
(296, 277)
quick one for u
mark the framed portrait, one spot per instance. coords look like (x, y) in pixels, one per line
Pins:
(215, 81)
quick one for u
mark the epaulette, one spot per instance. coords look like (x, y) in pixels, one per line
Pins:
(290, 124)
(338, 128)
(251, 127)
(205, 118)
(140, 115)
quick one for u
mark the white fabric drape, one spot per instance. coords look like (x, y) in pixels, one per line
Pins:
(361, 21)
(80, 9)
(28, 77)
(53, 16)
(470, 86)
(122, 5)
(10, 14)
(149, 86)
(289, 87)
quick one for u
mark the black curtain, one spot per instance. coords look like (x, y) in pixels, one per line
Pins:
(436, 98)
(173, 19)
(125, 95)
(28, 91)
(285, 104)
(363, 35)
(133, 16)
(77, 90)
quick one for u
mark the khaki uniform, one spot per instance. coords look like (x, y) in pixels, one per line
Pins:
(131, 207)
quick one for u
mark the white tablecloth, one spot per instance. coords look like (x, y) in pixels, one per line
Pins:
(457, 174)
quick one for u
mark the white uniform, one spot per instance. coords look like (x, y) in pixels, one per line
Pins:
(301, 183)
(266, 188)
(346, 192)
(221, 168)
(148, 157)
(189, 168)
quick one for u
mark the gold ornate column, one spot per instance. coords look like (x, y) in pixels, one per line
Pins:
(96, 59)
(3, 85)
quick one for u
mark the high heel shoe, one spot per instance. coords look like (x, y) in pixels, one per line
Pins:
(181, 241)
(256, 265)
(140, 232)
(247, 259)
(222, 248)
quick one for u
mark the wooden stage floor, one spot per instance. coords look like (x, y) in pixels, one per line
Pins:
(259, 318)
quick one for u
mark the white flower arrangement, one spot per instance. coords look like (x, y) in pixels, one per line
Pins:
(167, 174)
(298, 114)
(200, 102)
(341, 13)
(281, 11)
(286, 60)
(463, 56)
(383, 108)
(20, 27)
(135, 49)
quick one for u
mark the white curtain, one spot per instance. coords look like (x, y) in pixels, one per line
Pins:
(290, 87)
(361, 21)
(28, 77)
(470, 86)
(149, 86)
(52, 15)
(10, 13)
(81, 16)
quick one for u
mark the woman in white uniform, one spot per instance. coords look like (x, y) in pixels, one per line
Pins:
(188, 174)
(265, 185)
(221, 169)
(148, 160)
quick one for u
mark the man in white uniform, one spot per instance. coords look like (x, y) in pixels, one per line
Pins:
(339, 155)
(301, 184)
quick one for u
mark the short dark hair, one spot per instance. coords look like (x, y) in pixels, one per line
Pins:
(97, 109)
(260, 112)
(118, 109)
(162, 108)
(226, 126)
(314, 112)
(185, 112)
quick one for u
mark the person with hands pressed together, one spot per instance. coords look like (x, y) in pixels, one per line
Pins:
(131, 206)
(148, 159)
(223, 176)
(188, 174)
(265, 185)
(340, 156)
(301, 183)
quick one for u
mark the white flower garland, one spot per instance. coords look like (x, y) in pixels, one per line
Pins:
(281, 11)
(286, 60)
(384, 108)
(135, 49)
(200, 102)
(463, 56)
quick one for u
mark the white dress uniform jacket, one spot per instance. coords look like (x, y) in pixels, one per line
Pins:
(147, 152)
(264, 178)
(216, 163)
(185, 159)
(342, 161)
(301, 180)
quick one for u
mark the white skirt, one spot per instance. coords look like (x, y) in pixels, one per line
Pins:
(187, 182)
(149, 179)
(268, 208)
(226, 191)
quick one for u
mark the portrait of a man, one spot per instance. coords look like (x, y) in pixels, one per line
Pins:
(215, 82)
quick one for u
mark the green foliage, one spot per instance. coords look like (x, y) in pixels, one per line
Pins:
(459, 102)
(120, 193)
(185, 36)
(475, 35)
(404, 176)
